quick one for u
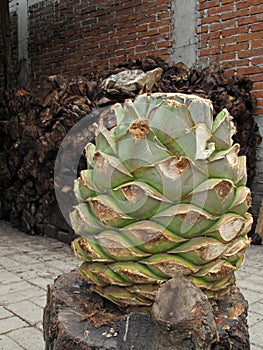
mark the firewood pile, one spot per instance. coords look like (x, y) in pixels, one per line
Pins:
(34, 122)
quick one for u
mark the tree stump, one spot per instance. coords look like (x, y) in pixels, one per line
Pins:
(181, 319)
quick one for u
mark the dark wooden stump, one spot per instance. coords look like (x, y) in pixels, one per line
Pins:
(180, 319)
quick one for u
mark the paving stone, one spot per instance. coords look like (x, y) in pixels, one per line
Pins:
(256, 335)
(8, 277)
(26, 294)
(28, 311)
(11, 323)
(39, 270)
(251, 296)
(39, 300)
(257, 307)
(253, 318)
(257, 277)
(14, 287)
(7, 343)
(252, 285)
(42, 282)
(8, 263)
(30, 338)
(12, 249)
(4, 313)
(50, 256)
(62, 265)
(254, 347)
(25, 259)
(39, 260)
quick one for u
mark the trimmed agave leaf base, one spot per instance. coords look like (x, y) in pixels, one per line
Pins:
(75, 318)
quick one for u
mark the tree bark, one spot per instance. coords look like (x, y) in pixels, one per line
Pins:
(181, 318)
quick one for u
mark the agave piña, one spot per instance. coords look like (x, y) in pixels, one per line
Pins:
(164, 193)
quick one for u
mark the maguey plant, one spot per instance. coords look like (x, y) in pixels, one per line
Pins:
(164, 194)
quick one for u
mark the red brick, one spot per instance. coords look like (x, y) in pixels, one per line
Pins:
(256, 9)
(229, 56)
(260, 102)
(216, 27)
(242, 4)
(257, 27)
(258, 94)
(161, 10)
(250, 53)
(220, 9)
(227, 64)
(258, 86)
(207, 37)
(159, 23)
(228, 40)
(208, 4)
(235, 47)
(259, 111)
(258, 61)
(250, 70)
(204, 29)
(235, 14)
(233, 31)
(250, 19)
(229, 15)
(213, 43)
(144, 48)
(229, 72)
(211, 19)
(242, 63)
(210, 51)
(162, 44)
(166, 31)
(257, 43)
(162, 52)
(249, 36)
(202, 44)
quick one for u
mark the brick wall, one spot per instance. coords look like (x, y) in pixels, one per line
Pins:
(70, 37)
(231, 33)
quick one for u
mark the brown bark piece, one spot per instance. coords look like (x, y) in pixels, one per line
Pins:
(184, 314)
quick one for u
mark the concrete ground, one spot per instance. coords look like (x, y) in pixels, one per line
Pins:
(29, 263)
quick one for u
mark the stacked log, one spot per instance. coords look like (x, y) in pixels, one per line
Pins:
(34, 122)
(33, 125)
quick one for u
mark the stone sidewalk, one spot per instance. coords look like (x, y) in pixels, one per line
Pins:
(29, 263)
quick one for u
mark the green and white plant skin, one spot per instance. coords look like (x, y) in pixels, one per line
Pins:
(164, 194)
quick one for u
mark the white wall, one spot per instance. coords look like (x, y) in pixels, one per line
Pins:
(185, 38)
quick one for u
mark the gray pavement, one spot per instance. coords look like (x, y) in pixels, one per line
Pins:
(29, 263)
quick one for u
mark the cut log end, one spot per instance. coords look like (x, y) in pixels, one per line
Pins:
(184, 314)
(181, 318)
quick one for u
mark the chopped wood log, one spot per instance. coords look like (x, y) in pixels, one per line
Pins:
(76, 318)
